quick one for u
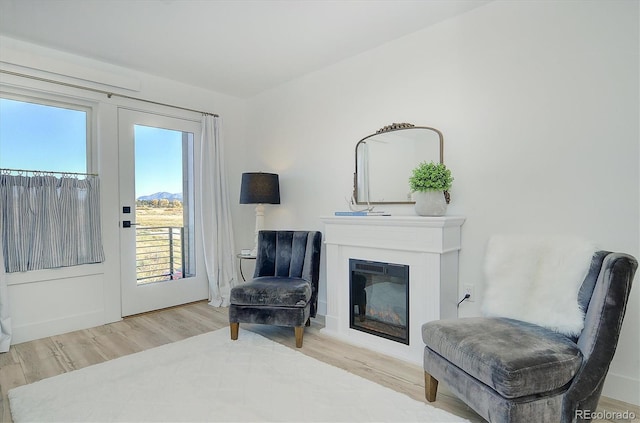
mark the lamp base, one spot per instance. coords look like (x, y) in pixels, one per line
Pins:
(259, 227)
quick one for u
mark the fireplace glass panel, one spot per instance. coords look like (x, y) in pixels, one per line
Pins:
(379, 299)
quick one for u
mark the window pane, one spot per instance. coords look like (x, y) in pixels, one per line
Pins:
(164, 212)
(41, 137)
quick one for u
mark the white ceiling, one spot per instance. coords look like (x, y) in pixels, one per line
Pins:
(236, 47)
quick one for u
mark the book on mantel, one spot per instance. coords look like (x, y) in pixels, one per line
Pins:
(362, 213)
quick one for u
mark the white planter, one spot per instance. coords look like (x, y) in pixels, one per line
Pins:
(430, 203)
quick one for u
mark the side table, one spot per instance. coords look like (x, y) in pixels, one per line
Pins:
(244, 257)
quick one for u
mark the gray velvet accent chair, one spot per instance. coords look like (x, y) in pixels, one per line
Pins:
(284, 288)
(511, 371)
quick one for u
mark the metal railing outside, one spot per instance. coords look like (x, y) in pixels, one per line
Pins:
(160, 253)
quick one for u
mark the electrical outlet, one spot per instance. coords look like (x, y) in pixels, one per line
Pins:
(468, 289)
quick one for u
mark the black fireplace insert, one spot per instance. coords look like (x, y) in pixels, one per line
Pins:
(379, 299)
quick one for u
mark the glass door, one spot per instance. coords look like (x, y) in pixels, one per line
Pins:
(158, 224)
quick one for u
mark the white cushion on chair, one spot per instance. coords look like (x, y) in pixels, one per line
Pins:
(537, 279)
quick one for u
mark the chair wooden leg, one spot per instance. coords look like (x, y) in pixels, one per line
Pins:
(234, 330)
(308, 322)
(299, 330)
(430, 387)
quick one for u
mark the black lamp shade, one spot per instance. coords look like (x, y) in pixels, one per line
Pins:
(260, 188)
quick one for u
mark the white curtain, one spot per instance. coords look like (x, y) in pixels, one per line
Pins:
(50, 222)
(363, 173)
(217, 229)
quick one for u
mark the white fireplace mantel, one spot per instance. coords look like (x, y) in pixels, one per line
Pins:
(428, 245)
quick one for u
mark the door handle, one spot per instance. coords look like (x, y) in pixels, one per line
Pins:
(128, 224)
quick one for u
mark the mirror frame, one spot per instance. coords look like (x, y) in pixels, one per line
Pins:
(390, 128)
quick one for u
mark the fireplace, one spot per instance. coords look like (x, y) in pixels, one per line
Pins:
(426, 247)
(379, 299)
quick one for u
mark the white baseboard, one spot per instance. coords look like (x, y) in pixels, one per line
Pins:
(622, 388)
(29, 332)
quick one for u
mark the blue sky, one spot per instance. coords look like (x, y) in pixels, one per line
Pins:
(39, 137)
(158, 160)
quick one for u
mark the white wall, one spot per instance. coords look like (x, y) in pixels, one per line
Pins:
(538, 102)
(50, 302)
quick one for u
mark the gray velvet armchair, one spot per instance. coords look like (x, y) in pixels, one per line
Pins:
(511, 371)
(284, 289)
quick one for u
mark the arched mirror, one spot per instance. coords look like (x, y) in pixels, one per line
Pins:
(384, 162)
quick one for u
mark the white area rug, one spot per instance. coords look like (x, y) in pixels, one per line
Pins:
(209, 378)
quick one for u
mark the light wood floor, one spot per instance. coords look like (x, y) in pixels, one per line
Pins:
(31, 361)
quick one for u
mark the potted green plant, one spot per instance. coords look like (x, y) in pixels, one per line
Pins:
(428, 182)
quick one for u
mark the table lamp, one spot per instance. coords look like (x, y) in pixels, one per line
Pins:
(259, 188)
